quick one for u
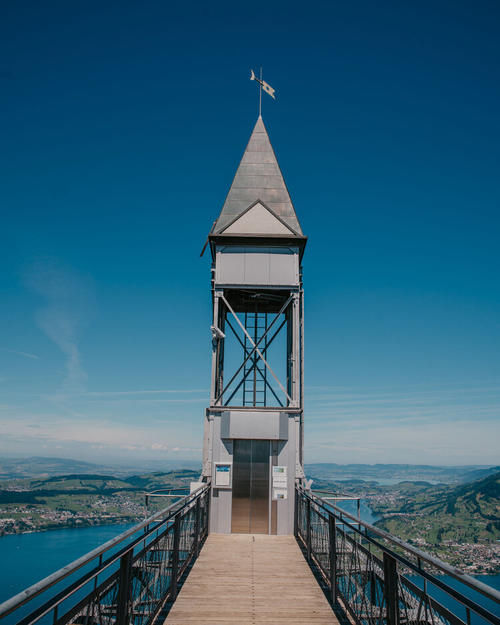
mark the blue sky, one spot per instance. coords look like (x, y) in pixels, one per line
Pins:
(122, 125)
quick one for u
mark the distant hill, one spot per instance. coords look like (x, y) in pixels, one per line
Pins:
(30, 490)
(37, 466)
(465, 513)
(395, 472)
(478, 474)
(480, 498)
(82, 499)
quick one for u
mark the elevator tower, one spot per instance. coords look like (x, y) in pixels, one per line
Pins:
(253, 435)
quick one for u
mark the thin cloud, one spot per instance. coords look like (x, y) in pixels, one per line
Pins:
(149, 400)
(59, 430)
(18, 353)
(68, 301)
(144, 392)
(424, 404)
(395, 396)
(437, 443)
(471, 442)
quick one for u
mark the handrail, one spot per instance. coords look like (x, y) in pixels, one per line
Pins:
(163, 516)
(172, 492)
(454, 572)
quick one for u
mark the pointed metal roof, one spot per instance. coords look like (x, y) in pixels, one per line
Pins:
(258, 177)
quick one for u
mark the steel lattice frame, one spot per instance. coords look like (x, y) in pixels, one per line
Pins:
(255, 334)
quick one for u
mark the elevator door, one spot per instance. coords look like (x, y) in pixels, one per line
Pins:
(250, 511)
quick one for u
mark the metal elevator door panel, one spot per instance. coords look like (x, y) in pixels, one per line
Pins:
(250, 509)
(240, 515)
(259, 488)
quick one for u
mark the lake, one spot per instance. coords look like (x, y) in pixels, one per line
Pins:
(451, 604)
(53, 549)
(365, 512)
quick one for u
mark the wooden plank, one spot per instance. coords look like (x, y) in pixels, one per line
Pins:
(245, 579)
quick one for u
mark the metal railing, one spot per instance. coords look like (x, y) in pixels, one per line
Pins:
(126, 581)
(381, 580)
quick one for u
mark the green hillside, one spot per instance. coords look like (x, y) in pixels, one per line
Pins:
(466, 513)
(83, 499)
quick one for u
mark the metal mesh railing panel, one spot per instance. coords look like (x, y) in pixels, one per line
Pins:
(369, 575)
(129, 583)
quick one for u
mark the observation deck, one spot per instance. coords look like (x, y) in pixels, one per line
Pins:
(247, 579)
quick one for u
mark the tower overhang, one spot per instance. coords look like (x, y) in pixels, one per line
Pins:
(277, 240)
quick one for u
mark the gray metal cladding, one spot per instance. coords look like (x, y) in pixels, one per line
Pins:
(257, 266)
(254, 425)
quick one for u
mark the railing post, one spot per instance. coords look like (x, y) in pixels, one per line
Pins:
(359, 519)
(296, 514)
(124, 588)
(197, 527)
(308, 529)
(373, 578)
(175, 556)
(208, 497)
(333, 558)
(391, 589)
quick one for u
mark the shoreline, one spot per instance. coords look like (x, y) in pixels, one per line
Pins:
(72, 526)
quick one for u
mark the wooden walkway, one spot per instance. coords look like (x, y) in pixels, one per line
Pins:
(245, 579)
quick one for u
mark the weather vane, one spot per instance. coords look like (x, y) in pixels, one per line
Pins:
(262, 85)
